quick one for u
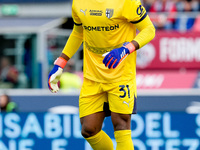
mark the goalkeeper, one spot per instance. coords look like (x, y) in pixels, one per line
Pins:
(108, 32)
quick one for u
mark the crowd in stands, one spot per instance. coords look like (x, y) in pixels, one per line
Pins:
(179, 15)
(8, 74)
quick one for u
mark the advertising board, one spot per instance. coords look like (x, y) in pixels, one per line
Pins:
(150, 131)
(171, 50)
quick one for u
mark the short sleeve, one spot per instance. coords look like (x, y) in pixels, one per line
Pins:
(133, 11)
(75, 17)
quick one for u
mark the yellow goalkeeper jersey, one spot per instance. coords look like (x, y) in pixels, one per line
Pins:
(107, 24)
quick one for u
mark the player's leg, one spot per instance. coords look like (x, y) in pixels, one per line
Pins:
(92, 124)
(121, 98)
(91, 106)
(91, 131)
(122, 131)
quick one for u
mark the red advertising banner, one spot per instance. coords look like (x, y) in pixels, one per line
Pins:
(165, 79)
(171, 50)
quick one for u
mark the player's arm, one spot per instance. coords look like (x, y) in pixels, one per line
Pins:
(73, 42)
(146, 34)
(72, 45)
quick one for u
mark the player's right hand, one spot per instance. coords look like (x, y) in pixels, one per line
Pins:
(55, 74)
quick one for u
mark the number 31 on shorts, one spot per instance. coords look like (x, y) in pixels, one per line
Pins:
(125, 89)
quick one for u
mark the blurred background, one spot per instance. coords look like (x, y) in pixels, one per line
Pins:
(33, 34)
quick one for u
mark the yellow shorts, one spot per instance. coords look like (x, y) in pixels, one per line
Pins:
(118, 97)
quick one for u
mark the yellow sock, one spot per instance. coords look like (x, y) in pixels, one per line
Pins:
(123, 139)
(100, 141)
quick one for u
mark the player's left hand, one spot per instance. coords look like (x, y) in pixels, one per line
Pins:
(116, 56)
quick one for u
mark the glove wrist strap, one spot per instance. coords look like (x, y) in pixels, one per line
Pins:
(130, 47)
(60, 62)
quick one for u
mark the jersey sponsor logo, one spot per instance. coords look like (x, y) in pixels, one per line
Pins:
(101, 28)
(140, 10)
(84, 12)
(96, 12)
(109, 13)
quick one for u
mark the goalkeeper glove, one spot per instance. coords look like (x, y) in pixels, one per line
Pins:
(55, 74)
(116, 56)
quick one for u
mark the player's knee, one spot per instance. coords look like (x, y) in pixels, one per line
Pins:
(88, 131)
(121, 125)
(121, 122)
